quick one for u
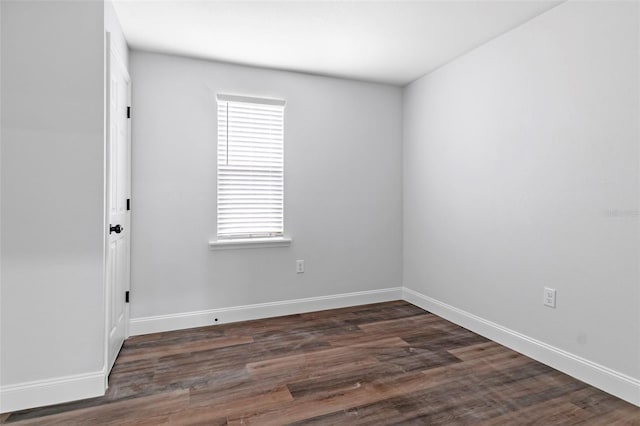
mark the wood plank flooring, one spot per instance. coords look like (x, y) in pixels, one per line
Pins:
(386, 363)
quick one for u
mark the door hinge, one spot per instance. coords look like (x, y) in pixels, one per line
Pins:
(128, 203)
(128, 112)
(126, 296)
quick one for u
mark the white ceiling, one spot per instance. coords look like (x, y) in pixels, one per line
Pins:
(384, 41)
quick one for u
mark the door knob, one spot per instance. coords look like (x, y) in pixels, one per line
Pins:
(117, 229)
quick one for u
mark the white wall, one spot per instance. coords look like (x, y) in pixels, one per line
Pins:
(52, 322)
(342, 188)
(521, 171)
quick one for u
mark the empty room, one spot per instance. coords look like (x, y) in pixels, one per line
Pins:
(320, 212)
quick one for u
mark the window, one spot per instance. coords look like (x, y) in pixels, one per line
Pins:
(250, 168)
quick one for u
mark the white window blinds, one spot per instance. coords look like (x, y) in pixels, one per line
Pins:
(250, 167)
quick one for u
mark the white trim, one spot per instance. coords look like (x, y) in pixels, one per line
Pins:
(70, 388)
(611, 381)
(51, 391)
(155, 324)
(249, 243)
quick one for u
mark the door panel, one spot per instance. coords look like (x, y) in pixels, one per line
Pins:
(118, 191)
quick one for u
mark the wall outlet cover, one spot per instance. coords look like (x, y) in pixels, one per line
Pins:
(549, 297)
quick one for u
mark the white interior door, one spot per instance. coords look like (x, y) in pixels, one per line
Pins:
(118, 204)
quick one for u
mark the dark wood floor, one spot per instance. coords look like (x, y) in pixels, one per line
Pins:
(387, 363)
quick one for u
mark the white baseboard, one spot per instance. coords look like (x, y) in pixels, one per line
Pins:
(160, 323)
(611, 381)
(63, 389)
(51, 391)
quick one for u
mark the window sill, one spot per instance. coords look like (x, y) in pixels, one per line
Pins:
(249, 243)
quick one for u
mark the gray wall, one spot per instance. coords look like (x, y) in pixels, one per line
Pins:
(52, 295)
(342, 187)
(521, 171)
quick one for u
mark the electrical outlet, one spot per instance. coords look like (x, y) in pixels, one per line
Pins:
(299, 266)
(549, 297)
